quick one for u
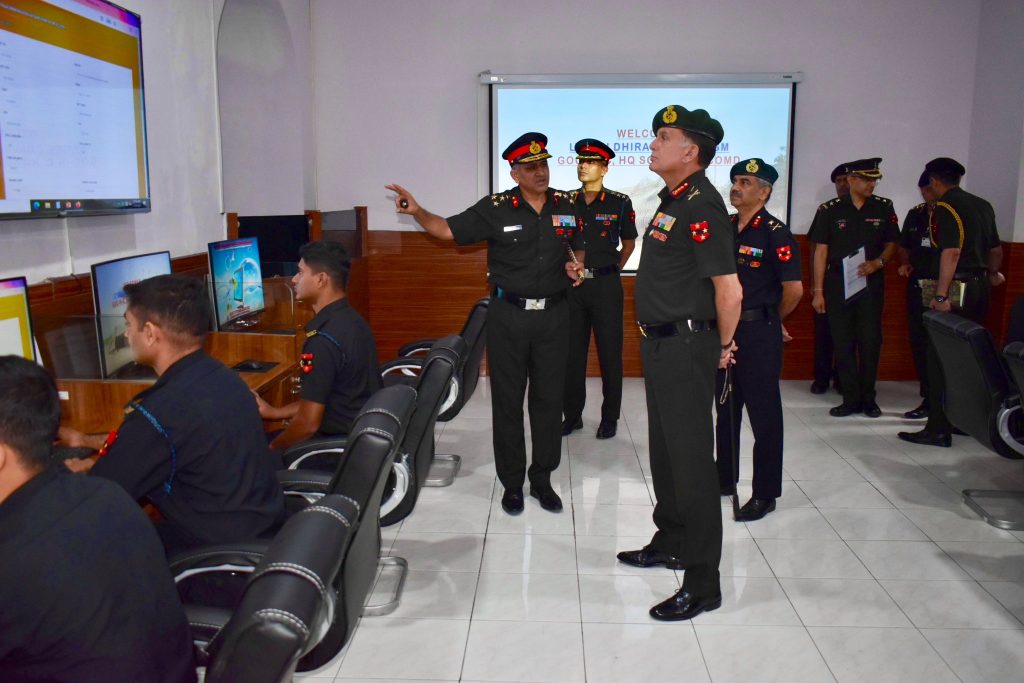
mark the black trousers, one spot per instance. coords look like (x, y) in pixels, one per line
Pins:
(597, 305)
(824, 351)
(916, 334)
(857, 333)
(977, 297)
(755, 384)
(679, 376)
(526, 347)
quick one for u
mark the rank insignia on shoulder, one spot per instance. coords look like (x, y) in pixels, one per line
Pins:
(774, 224)
(306, 363)
(700, 231)
(785, 253)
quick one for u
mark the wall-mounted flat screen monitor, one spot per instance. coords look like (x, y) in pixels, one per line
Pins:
(237, 281)
(73, 117)
(15, 320)
(108, 282)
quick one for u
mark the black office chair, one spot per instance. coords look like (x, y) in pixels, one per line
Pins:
(405, 368)
(416, 452)
(360, 479)
(979, 399)
(288, 604)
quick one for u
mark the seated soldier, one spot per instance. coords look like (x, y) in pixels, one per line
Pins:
(192, 444)
(339, 357)
(85, 593)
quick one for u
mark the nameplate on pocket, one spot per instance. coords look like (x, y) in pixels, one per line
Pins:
(512, 228)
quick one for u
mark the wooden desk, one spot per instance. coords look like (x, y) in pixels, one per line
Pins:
(95, 406)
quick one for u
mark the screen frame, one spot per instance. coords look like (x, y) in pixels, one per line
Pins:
(491, 82)
(139, 204)
(28, 317)
(104, 371)
(213, 282)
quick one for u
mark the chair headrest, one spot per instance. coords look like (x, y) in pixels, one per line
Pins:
(1014, 351)
(385, 414)
(952, 325)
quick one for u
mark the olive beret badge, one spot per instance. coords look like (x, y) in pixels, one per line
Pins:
(670, 116)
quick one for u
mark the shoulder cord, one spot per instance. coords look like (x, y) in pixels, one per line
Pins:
(163, 432)
(330, 338)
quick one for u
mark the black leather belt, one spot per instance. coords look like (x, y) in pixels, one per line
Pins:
(759, 313)
(662, 330)
(526, 303)
(600, 272)
(969, 275)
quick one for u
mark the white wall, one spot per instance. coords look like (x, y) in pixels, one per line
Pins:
(396, 82)
(265, 97)
(178, 55)
(996, 154)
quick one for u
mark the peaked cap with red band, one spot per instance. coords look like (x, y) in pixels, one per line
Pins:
(526, 148)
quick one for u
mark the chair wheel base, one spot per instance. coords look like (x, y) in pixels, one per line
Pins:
(447, 465)
(380, 609)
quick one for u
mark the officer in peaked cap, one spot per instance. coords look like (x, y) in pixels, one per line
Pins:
(970, 254)
(768, 265)
(608, 221)
(860, 220)
(530, 231)
(687, 304)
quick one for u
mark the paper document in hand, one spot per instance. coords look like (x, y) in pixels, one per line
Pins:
(853, 281)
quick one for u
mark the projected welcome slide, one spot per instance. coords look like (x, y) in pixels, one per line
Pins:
(756, 120)
(71, 112)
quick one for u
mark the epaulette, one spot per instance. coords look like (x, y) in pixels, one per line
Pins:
(500, 198)
(883, 200)
(561, 194)
(919, 207)
(617, 195)
(829, 204)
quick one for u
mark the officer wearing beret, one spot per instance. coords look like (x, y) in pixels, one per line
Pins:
(842, 226)
(824, 349)
(919, 260)
(608, 219)
(964, 232)
(530, 231)
(687, 304)
(768, 265)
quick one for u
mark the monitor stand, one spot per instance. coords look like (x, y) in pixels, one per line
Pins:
(250, 365)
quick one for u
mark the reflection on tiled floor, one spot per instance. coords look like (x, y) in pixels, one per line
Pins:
(870, 570)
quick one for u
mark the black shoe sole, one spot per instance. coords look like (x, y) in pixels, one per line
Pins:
(741, 518)
(671, 564)
(512, 511)
(710, 607)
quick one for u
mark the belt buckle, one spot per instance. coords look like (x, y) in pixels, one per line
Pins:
(643, 332)
(535, 304)
(689, 324)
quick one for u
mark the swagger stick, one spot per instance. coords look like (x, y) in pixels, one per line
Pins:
(572, 255)
(727, 395)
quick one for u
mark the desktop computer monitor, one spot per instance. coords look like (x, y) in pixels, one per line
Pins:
(108, 281)
(15, 320)
(237, 281)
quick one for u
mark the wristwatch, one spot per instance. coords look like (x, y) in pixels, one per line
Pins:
(941, 299)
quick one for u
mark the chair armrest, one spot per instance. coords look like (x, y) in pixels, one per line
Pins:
(331, 445)
(228, 557)
(409, 367)
(415, 348)
(205, 623)
(309, 485)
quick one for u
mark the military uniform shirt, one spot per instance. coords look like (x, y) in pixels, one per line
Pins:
(85, 592)
(766, 256)
(916, 237)
(526, 252)
(967, 222)
(606, 220)
(689, 241)
(844, 228)
(220, 486)
(342, 359)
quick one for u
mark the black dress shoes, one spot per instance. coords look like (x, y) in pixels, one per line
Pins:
(871, 409)
(918, 413)
(607, 429)
(755, 509)
(819, 387)
(512, 501)
(683, 606)
(844, 410)
(649, 557)
(568, 427)
(959, 431)
(549, 500)
(926, 438)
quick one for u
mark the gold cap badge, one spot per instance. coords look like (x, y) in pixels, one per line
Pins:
(670, 115)
(535, 147)
(752, 166)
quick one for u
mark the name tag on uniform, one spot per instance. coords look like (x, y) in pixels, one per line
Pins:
(926, 241)
(512, 228)
(563, 221)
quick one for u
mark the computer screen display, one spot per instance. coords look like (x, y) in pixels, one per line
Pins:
(237, 279)
(73, 119)
(15, 320)
(108, 281)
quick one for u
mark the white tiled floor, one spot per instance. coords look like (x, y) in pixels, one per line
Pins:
(870, 570)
